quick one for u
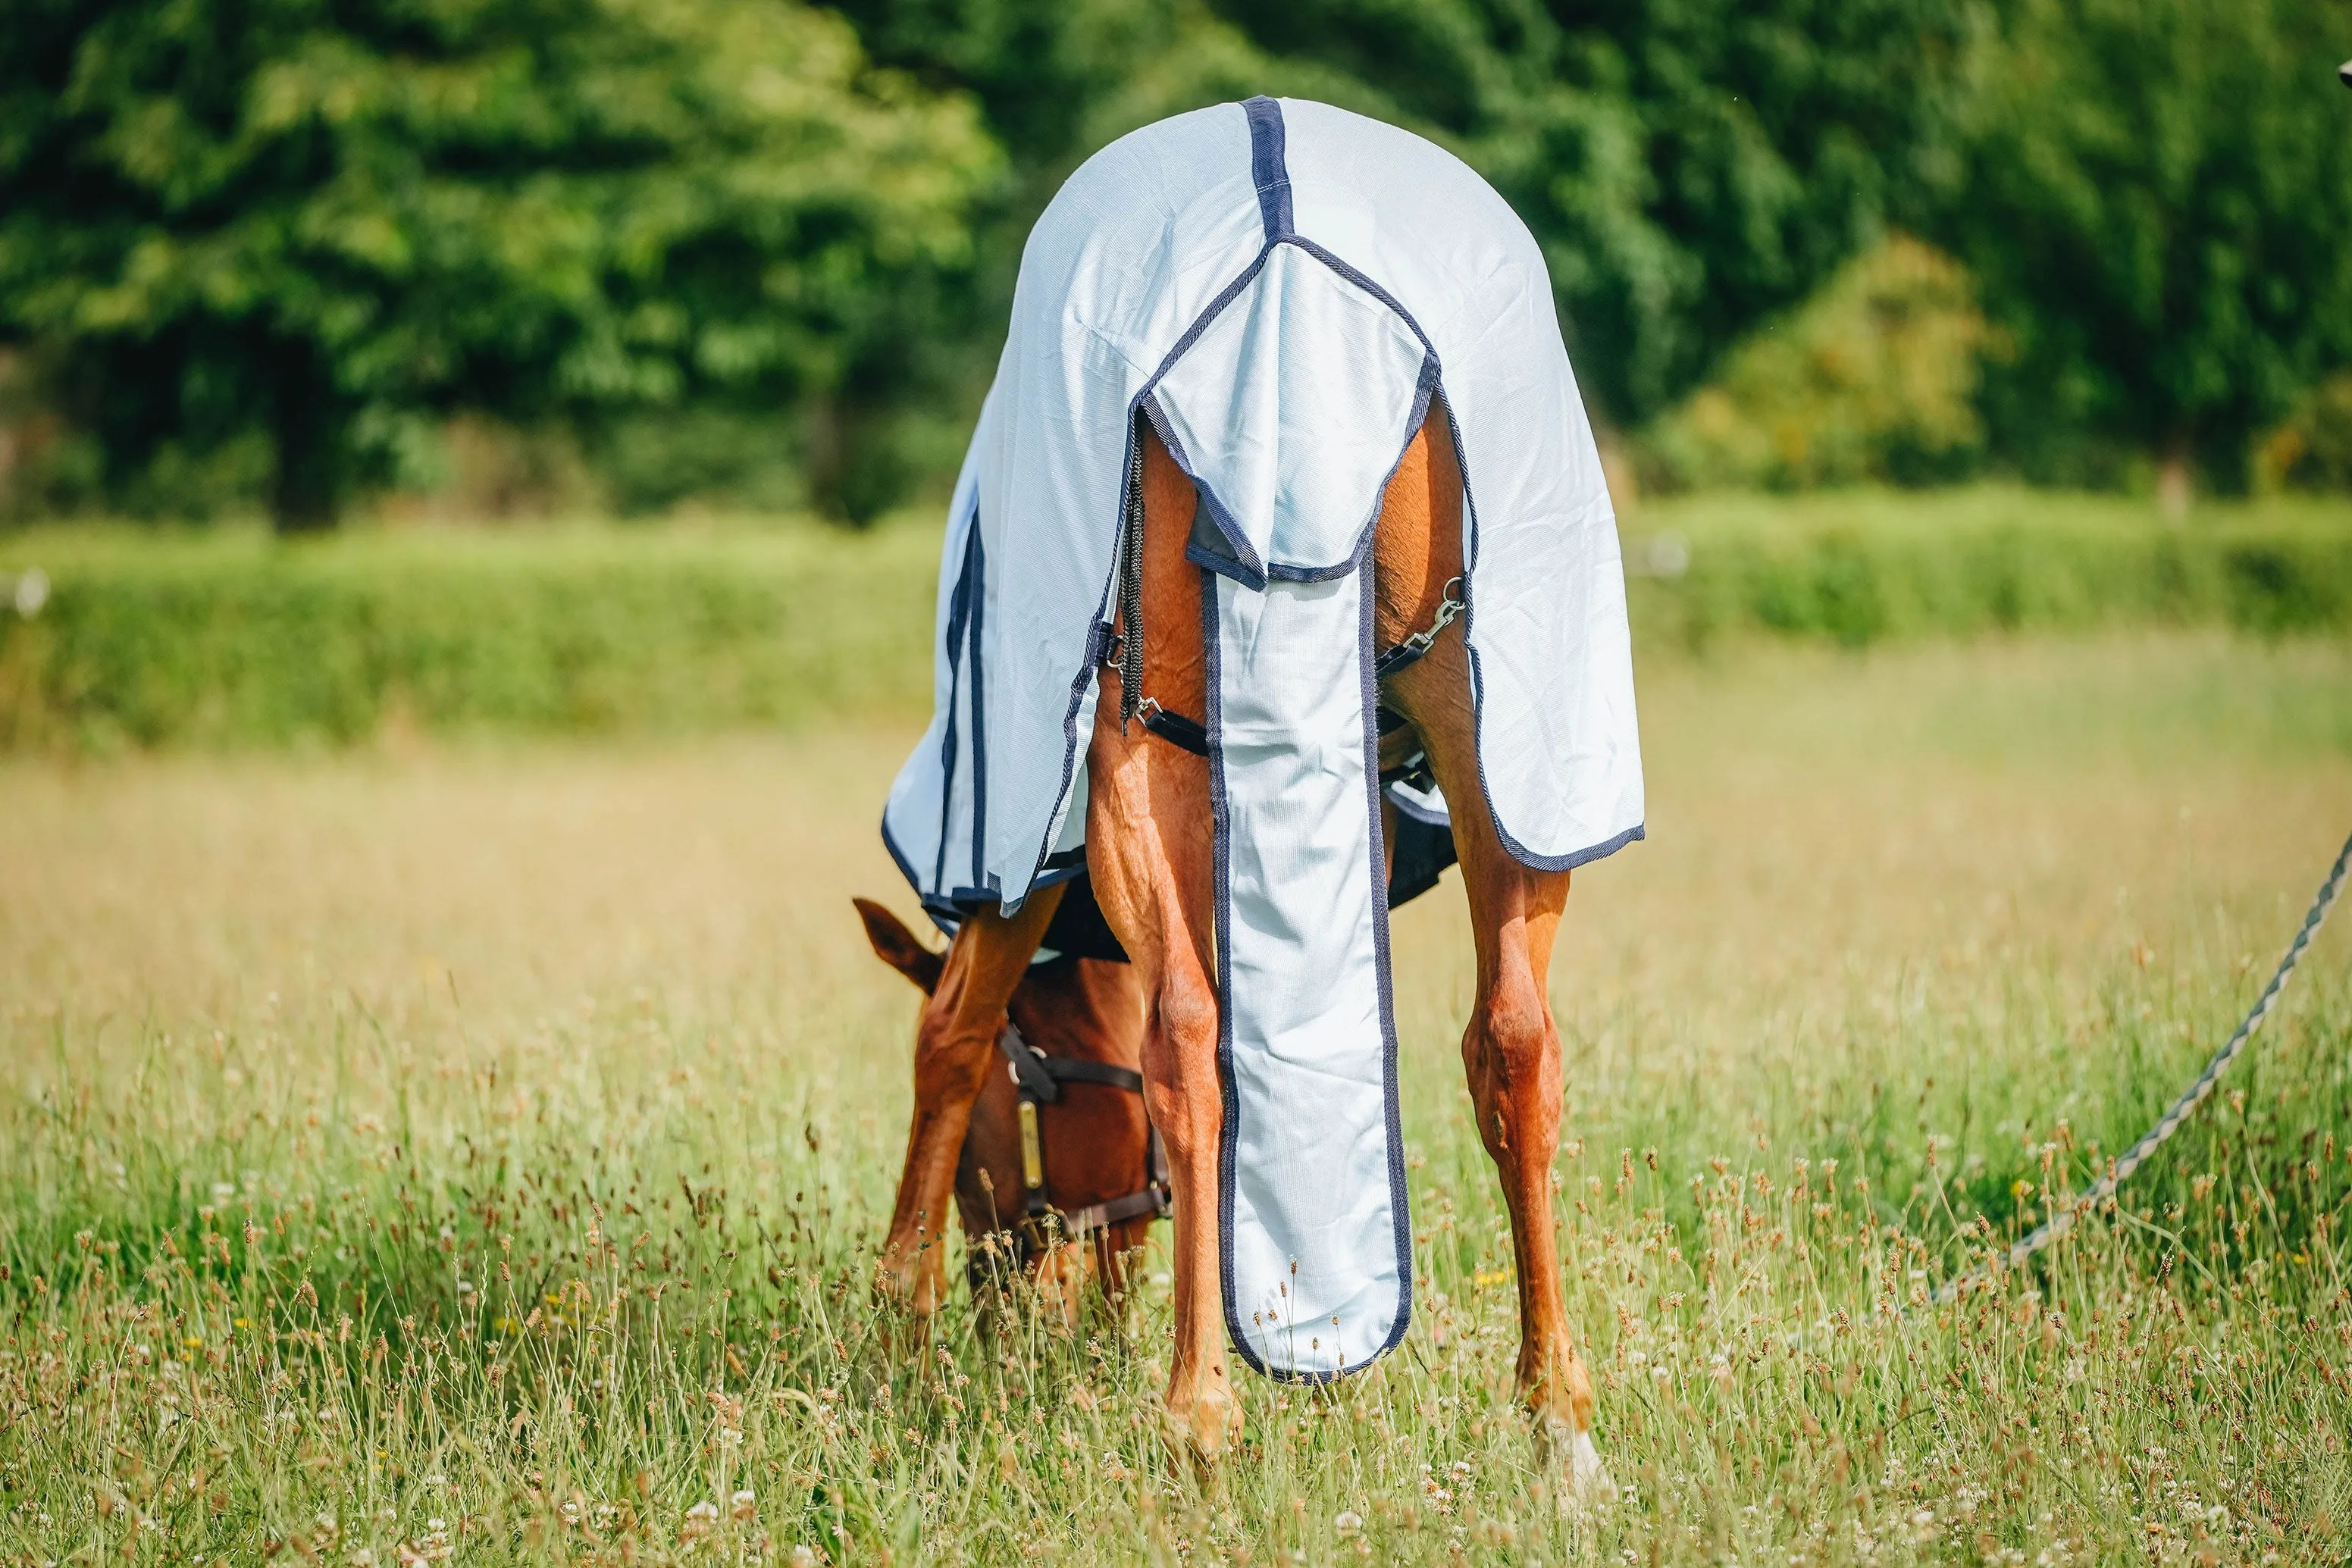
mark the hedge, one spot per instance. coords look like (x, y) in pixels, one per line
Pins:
(241, 640)
(232, 638)
(1872, 566)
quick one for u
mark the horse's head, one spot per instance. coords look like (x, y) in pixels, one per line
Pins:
(1095, 1137)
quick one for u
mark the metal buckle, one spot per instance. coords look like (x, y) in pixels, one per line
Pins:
(1447, 608)
(1033, 1159)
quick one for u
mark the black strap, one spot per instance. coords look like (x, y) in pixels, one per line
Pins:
(1413, 771)
(1040, 1079)
(1084, 1222)
(1028, 1068)
(1072, 1070)
(1176, 729)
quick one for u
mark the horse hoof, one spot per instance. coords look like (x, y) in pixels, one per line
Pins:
(1587, 1479)
(1204, 1429)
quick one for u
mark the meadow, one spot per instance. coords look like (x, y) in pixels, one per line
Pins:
(473, 1149)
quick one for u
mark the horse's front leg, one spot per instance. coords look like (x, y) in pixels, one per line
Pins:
(955, 1045)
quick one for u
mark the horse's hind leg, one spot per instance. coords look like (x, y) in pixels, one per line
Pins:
(1510, 1049)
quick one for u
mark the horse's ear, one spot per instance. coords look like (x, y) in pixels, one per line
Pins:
(900, 947)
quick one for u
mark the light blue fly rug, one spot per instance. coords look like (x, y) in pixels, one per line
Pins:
(1280, 289)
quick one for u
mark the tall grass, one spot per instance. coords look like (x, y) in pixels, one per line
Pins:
(479, 1154)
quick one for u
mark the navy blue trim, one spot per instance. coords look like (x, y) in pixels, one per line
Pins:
(1364, 283)
(1062, 868)
(1239, 560)
(1221, 828)
(978, 553)
(1209, 313)
(1424, 388)
(1268, 167)
(958, 620)
(1400, 1208)
(1058, 868)
(906, 868)
(947, 922)
(1601, 851)
(1283, 571)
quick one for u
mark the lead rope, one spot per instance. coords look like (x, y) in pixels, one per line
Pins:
(2062, 1219)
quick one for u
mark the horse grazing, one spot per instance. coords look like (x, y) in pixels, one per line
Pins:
(1283, 412)
(1056, 1126)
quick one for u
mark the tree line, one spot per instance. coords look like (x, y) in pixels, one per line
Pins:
(264, 251)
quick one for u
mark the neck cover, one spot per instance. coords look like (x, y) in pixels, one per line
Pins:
(1281, 288)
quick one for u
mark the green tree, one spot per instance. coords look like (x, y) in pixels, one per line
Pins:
(317, 228)
(1873, 377)
(1690, 166)
(2160, 212)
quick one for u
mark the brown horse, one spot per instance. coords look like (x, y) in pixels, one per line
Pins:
(1150, 856)
(1093, 1141)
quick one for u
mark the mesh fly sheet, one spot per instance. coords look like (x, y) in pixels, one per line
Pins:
(1282, 290)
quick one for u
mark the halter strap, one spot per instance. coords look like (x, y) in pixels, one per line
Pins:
(1038, 1079)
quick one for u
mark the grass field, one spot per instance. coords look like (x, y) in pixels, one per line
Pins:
(476, 1152)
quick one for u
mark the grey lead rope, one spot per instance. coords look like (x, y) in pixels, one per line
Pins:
(2062, 1219)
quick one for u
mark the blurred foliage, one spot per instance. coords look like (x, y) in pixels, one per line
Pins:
(226, 637)
(1874, 378)
(222, 637)
(1881, 566)
(282, 233)
(760, 255)
(2312, 448)
(2159, 208)
(1688, 165)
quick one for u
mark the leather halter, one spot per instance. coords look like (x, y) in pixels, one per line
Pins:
(1038, 1079)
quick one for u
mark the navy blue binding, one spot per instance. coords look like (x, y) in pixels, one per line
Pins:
(959, 622)
(1221, 825)
(1400, 1204)
(1267, 168)
(979, 555)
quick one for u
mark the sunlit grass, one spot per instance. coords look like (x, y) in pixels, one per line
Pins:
(480, 1154)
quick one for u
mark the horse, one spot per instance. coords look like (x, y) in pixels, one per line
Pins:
(1469, 603)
